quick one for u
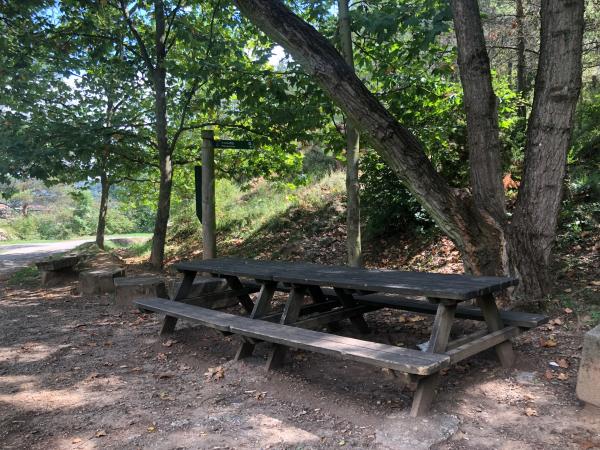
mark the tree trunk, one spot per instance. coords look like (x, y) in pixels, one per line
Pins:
(164, 152)
(483, 136)
(532, 231)
(353, 241)
(521, 68)
(101, 226)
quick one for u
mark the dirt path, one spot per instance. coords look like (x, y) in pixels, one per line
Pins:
(75, 374)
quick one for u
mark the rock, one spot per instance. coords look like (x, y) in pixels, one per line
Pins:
(99, 281)
(131, 288)
(58, 270)
(203, 286)
(55, 264)
(588, 379)
(523, 377)
(402, 432)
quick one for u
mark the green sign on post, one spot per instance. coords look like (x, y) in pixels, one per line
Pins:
(228, 143)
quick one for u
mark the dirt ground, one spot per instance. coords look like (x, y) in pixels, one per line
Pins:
(76, 374)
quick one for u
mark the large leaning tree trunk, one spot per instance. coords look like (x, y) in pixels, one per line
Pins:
(474, 219)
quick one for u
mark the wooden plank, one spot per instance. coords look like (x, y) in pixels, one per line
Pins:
(381, 355)
(236, 285)
(334, 316)
(504, 350)
(514, 318)
(187, 283)
(438, 342)
(212, 296)
(290, 314)
(482, 343)
(348, 301)
(261, 308)
(451, 286)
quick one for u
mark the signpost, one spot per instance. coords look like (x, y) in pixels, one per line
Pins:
(205, 188)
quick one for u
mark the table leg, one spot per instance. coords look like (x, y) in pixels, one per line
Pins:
(348, 301)
(169, 322)
(488, 307)
(235, 284)
(261, 308)
(290, 315)
(437, 344)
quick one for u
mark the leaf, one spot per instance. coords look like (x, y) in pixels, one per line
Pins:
(530, 412)
(169, 343)
(260, 395)
(563, 376)
(548, 375)
(550, 342)
(563, 363)
(215, 373)
(568, 310)
(152, 428)
(100, 433)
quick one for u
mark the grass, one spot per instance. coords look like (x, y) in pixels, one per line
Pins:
(26, 275)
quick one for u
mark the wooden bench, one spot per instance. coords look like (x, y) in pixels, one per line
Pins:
(381, 355)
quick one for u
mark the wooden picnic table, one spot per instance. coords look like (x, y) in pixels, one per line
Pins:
(338, 293)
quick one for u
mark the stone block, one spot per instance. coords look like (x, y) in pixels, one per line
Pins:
(203, 286)
(588, 380)
(58, 277)
(99, 281)
(129, 289)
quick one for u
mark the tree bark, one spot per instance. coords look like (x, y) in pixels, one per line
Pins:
(521, 68)
(101, 226)
(480, 102)
(532, 231)
(353, 238)
(164, 151)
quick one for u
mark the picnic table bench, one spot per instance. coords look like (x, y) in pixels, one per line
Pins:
(339, 293)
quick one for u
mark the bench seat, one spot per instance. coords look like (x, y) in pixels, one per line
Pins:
(381, 355)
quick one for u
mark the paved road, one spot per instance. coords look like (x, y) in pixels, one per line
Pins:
(17, 256)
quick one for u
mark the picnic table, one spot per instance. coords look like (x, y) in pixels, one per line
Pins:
(336, 293)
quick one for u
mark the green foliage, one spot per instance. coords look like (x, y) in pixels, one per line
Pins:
(27, 275)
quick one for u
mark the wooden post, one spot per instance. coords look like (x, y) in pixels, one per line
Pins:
(209, 239)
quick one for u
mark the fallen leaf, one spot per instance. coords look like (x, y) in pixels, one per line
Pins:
(529, 412)
(563, 376)
(595, 283)
(76, 441)
(556, 321)
(215, 373)
(169, 343)
(100, 433)
(549, 374)
(550, 342)
(161, 357)
(563, 363)
(260, 395)
(568, 310)
(151, 428)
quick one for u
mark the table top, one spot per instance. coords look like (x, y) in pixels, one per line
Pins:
(448, 286)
